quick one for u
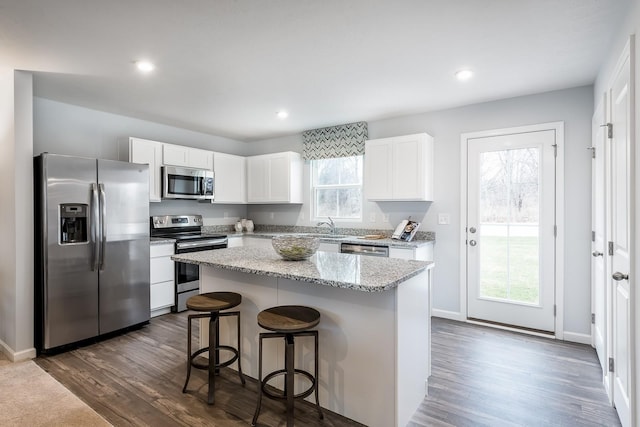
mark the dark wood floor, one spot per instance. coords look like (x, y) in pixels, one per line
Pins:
(480, 376)
(137, 379)
(488, 377)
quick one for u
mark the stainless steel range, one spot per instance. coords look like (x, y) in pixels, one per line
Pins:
(187, 231)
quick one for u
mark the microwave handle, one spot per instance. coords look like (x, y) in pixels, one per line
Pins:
(202, 186)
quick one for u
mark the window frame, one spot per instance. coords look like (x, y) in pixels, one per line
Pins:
(314, 187)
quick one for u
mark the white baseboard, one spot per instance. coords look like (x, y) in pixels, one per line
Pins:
(445, 314)
(576, 337)
(18, 356)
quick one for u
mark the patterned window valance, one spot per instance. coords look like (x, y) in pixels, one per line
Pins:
(334, 141)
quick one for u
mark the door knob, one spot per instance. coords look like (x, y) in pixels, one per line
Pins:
(617, 276)
(596, 253)
(472, 242)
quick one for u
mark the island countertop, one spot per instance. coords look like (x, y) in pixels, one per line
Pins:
(356, 272)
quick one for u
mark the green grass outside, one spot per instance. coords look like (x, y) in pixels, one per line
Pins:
(522, 283)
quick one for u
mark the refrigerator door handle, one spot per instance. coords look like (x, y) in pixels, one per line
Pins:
(95, 214)
(103, 215)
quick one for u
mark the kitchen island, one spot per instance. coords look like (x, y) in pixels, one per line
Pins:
(374, 331)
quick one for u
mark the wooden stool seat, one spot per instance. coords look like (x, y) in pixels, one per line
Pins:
(209, 305)
(288, 318)
(214, 301)
(288, 322)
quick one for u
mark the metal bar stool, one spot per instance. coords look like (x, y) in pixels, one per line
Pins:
(288, 322)
(212, 303)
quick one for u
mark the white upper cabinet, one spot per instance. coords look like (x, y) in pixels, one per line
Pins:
(230, 178)
(274, 178)
(150, 153)
(399, 168)
(178, 155)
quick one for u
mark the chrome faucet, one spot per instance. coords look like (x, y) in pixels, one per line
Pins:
(330, 223)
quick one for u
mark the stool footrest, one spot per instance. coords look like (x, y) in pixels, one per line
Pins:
(282, 396)
(202, 365)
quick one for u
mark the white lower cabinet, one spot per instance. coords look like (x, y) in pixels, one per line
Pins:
(421, 253)
(162, 279)
(329, 247)
(256, 242)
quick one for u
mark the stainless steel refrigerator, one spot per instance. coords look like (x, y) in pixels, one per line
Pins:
(91, 248)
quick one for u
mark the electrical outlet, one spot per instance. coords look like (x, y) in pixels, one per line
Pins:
(444, 219)
(385, 217)
(372, 217)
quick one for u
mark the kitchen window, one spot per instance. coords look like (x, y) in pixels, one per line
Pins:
(336, 188)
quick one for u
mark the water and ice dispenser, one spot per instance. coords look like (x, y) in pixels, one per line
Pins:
(74, 223)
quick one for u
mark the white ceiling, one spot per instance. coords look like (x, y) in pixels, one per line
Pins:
(225, 67)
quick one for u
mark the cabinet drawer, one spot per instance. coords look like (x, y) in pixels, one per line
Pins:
(161, 269)
(161, 250)
(162, 295)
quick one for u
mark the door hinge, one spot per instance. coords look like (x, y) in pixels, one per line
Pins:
(611, 248)
(611, 365)
(555, 150)
(555, 310)
(555, 231)
(593, 152)
(593, 318)
(593, 236)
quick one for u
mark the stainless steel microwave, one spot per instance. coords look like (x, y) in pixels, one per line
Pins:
(187, 183)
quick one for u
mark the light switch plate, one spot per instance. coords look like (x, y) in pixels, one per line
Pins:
(444, 219)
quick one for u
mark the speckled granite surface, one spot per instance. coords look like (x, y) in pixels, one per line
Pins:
(348, 239)
(353, 232)
(361, 273)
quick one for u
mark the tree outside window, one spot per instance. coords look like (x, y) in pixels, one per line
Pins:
(337, 188)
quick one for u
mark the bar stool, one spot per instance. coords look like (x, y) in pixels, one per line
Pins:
(211, 304)
(288, 322)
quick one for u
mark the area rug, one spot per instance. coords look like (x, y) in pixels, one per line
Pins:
(31, 397)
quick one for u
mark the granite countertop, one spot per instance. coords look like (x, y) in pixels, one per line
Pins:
(392, 243)
(161, 241)
(361, 273)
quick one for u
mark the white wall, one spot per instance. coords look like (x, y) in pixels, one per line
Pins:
(69, 129)
(16, 215)
(573, 106)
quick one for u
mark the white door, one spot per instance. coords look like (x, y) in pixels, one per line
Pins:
(510, 229)
(601, 297)
(620, 203)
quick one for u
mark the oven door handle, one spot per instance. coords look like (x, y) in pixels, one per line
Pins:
(201, 243)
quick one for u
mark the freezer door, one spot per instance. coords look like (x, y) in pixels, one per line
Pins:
(66, 288)
(124, 260)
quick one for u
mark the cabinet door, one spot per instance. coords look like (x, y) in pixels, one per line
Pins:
(377, 169)
(230, 178)
(279, 177)
(200, 159)
(408, 174)
(329, 247)
(257, 179)
(150, 153)
(175, 155)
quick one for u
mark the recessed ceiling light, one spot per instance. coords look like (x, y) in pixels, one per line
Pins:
(282, 114)
(145, 66)
(463, 75)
